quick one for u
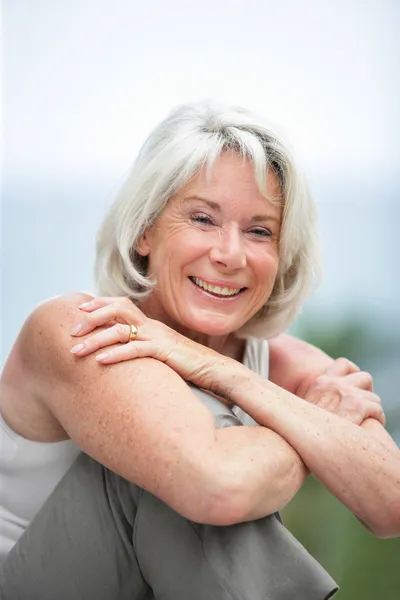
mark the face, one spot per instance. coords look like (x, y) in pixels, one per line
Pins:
(214, 250)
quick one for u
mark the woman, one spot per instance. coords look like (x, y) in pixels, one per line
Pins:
(213, 237)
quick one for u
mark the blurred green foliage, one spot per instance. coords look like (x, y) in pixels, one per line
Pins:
(366, 568)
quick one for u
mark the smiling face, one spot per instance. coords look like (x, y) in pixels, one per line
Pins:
(214, 250)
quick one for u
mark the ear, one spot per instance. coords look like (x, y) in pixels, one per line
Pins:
(143, 245)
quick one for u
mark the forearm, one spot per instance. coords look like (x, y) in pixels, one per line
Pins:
(361, 470)
(377, 430)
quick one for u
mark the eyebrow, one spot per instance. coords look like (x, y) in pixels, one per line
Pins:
(216, 206)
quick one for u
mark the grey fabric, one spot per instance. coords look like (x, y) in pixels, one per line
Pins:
(100, 537)
(79, 546)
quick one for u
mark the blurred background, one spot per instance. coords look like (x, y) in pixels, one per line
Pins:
(85, 82)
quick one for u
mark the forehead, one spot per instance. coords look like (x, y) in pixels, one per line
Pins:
(231, 182)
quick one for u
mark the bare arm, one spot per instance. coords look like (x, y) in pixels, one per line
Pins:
(142, 421)
(296, 365)
(297, 360)
(357, 464)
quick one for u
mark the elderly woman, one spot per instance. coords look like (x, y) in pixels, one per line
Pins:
(213, 238)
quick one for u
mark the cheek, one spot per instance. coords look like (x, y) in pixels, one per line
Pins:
(167, 260)
(267, 267)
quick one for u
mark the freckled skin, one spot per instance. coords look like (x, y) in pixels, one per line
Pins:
(216, 242)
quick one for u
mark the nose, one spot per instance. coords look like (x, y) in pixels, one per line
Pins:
(228, 250)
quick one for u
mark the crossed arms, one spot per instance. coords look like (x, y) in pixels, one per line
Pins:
(141, 420)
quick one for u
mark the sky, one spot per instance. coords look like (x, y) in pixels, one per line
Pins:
(84, 82)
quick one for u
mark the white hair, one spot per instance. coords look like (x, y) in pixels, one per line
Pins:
(191, 138)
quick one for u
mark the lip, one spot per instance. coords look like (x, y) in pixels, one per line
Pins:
(221, 283)
(220, 299)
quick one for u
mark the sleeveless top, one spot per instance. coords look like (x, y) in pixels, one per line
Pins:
(29, 471)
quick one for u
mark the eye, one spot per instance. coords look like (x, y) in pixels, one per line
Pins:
(261, 232)
(202, 219)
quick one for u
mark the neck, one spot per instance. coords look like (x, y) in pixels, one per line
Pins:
(228, 345)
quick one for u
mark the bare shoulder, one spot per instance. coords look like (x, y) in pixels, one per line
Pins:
(59, 312)
(138, 418)
(293, 360)
(285, 350)
(285, 345)
(45, 335)
(39, 350)
(78, 389)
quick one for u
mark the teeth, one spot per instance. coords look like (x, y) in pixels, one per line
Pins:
(216, 289)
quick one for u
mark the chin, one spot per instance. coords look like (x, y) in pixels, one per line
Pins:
(209, 327)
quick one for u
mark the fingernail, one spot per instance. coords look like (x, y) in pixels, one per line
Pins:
(77, 348)
(84, 305)
(102, 356)
(76, 329)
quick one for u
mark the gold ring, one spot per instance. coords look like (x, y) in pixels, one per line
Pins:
(133, 333)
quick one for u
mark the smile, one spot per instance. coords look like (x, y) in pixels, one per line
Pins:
(216, 289)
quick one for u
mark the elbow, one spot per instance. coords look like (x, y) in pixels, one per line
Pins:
(211, 495)
(387, 525)
(222, 502)
(237, 498)
(386, 530)
(229, 507)
(221, 508)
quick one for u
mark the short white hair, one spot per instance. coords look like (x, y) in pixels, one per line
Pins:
(191, 138)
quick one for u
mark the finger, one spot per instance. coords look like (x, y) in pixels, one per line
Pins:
(118, 333)
(375, 398)
(342, 366)
(367, 395)
(375, 411)
(116, 311)
(101, 316)
(361, 395)
(127, 352)
(369, 409)
(361, 380)
(98, 302)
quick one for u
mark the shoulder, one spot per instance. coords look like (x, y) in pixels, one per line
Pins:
(57, 313)
(45, 335)
(66, 306)
(58, 375)
(38, 359)
(284, 346)
(293, 360)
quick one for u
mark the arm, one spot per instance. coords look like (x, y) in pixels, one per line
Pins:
(353, 462)
(142, 421)
(296, 365)
(341, 388)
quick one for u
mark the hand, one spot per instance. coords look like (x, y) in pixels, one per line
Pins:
(190, 360)
(347, 392)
